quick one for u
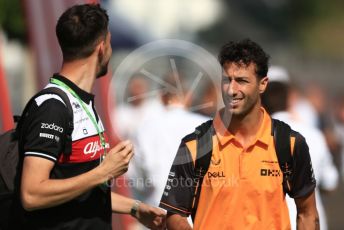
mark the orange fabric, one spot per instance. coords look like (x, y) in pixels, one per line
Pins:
(243, 187)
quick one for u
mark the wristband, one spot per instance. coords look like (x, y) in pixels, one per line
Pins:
(135, 208)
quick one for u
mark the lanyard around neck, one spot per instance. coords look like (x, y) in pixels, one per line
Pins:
(83, 104)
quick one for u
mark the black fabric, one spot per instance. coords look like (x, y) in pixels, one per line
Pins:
(204, 134)
(303, 180)
(180, 181)
(92, 209)
(298, 175)
(10, 159)
(45, 129)
(67, 110)
(282, 134)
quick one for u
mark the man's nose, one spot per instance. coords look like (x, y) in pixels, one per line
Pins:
(233, 88)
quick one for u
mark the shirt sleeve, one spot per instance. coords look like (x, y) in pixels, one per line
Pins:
(180, 187)
(303, 180)
(44, 130)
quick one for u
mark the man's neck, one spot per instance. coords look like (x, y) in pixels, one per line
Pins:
(244, 128)
(81, 72)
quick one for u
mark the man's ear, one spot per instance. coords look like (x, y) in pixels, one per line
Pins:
(263, 84)
(101, 49)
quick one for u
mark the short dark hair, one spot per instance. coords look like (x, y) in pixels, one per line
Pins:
(245, 52)
(79, 29)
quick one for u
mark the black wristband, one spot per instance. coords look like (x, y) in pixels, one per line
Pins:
(135, 208)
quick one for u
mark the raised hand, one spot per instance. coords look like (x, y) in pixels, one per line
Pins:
(117, 160)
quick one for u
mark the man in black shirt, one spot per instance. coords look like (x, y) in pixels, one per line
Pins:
(68, 191)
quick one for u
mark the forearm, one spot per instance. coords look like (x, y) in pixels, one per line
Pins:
(151, 217)
(307, 222)
(121, 204)
(307, 214)
(52, 192)
(177, 222)
(39, 191)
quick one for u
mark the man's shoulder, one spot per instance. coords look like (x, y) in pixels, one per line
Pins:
(189, 137)
(49, 96)
(45, 107)
(200, 130)
(51, 105)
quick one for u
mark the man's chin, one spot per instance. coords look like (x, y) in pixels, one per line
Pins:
(102, 73)
(234, 112)
(231, 109)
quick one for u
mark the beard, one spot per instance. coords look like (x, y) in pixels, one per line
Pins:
(102, 70)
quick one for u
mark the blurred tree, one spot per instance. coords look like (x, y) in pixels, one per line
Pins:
(319, 26)
(312, 25)
(12, 19)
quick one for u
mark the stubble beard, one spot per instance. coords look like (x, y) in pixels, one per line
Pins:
(240, 113)
(103, 70)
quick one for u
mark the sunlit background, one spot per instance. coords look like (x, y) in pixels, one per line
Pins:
(306, 37)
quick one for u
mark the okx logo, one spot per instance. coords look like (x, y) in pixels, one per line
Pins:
(270, 172)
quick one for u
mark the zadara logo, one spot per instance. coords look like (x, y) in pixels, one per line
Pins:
(93, 148)
(51, 126)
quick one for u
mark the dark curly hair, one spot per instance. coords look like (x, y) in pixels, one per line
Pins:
(80, 28)
(245, 52)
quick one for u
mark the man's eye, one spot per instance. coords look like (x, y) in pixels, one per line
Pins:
(242, 81)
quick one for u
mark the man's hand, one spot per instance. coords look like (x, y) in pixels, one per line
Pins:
(177, 222)
(117, 160)
(151, 217)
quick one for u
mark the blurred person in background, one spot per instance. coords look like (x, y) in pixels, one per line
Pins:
(207, 101)
(157, 140)
(320, 114)
(138, 107)
(278, 101)
(339, 127)
(60, 191)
